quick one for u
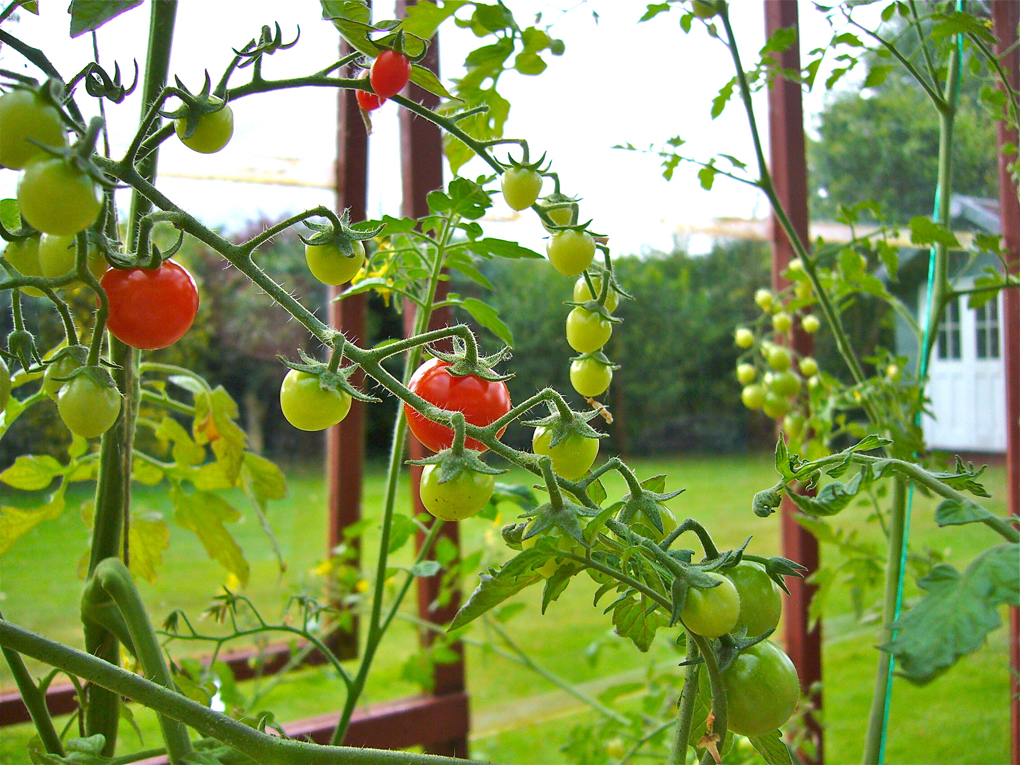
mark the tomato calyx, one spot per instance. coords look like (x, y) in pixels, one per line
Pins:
(642, 500)
(330, 378)
(194, 106)
(61, 366)
(464, 361)
(21, 345)
(562, 423)
(558, 210)
(339, 232)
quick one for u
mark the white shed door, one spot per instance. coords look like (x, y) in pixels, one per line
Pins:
(967, 379)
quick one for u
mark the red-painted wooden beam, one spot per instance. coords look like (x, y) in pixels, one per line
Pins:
(1006, 17)
(788, 167)
(421, 144)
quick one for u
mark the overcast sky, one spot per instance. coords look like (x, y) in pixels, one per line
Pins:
(619, 81)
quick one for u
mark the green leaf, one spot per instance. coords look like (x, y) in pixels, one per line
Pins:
(772, 748)
(15, 522)
(185, 451)
(426, 78)
(877, 75)
(498, 585)
(402, 530)
(214, 424)
(956, 613)
(783, 460)
(501, 248)
(89, 15)
(487, 316)
(146, 473)
(148, 537)
(954, 513)
(870, 442)
(204, 514)
(262, 479)
(423, 18)
(425, 568)
(635, 620)
(10, 215)
(32, 472)
(926, 231)
(833, 497)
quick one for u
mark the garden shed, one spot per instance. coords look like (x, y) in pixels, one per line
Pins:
(967, 376)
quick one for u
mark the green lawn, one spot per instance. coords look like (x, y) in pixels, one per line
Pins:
(960, 718)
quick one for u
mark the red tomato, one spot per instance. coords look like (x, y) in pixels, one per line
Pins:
(389, 74)
(150, 309)
(369, 102)
(481, 401)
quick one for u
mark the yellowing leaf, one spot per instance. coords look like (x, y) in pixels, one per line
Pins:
(147, 539)
(15, 522)
(205, 514)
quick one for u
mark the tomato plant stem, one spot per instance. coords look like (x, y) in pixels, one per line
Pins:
(34, 701)
(685, 716)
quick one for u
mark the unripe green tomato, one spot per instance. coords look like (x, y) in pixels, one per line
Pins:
(616, 749)
(644, 527)
(793, 424)
(761, 601)
(762, 689)
(58, 255)
(781, 322)
(743, 337)
(892, 372)
(56, 197)
(795, 266)
(713, 612)
(753, 396)
(746, 373)
(5, 384)
(571, 457)
(521, 187)
(590, 377)
(24, 114)
(779, 358)
(814, 381)
(763, 298)
(810, 324)
(307, 406)
(587, 331)
(212, 133)
(461, 497)
(816, 450)
(570, 252)
(560, 216)
(330, 265)
(808, 366)
(565, 542)
(786, 384)
(62, 367)
(803, 290)
(775, 406)
(88, 409)
(582, 294)
(23, 254)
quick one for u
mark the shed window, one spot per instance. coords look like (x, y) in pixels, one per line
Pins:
(986, 328)
(948, 345)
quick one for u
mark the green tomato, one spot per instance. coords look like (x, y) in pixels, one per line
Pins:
(460, 497)
(753, 396)
(212, 133)
(763, 298)
(781, 322)
(58, 198)
(5, 384)
(713, 612)
(779, 357)
(810, 324)
(587, 331)
(761, 602)
(582, 294)
(88, 409)
(521, 187)
(590, 377)
(60, 368)
(803, 290)
(560, 216)
(762, 690)
(571, 457)
(808, 366)
(564, 542)
(793, 424)
(785, 384)
(57, 256)
(307, 406)
(25, 115)
(329, 265)
(23, 254)
(570, 252)
(743, 337)
(746, 373)
(775, 406)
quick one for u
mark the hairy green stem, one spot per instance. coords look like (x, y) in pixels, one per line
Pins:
(34, 701)
(685, 716)
(874, 742)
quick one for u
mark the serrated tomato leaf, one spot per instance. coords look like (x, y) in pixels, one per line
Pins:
(956, 613)
(498, 585)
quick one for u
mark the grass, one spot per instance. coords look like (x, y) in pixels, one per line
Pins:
(964, 713)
